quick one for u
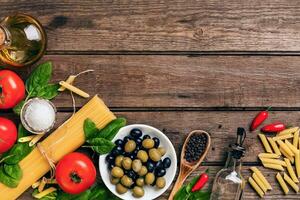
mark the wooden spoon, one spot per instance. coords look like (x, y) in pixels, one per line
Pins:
(186, 168)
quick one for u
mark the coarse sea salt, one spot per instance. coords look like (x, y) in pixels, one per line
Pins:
(39, 115)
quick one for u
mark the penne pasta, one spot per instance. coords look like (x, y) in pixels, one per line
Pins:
(26, 138)
(287, 156)
(265, 143)
(70, 81)
(273, 166)
(44, 193)
(274, 146)
(285, 148)
(36, 184)
(256, 187)
(282, 183)
(291, 170)
(291, 182)
(296, 139)
(42, 185)
(288, 131)
(291, 147)
(35, 139)
(74, 89)
(259, 182)
(283, 137)
(273, 161)
(261, 177)
(297, 163)
(268, 155)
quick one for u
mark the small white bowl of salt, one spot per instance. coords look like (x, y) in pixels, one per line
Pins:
(38, 115)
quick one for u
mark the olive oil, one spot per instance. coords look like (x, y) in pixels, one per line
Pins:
(22, 40)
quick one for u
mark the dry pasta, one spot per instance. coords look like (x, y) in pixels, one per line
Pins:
(285, 148)
(291, 182)
(291, 170)
(296, 139)
(265, 143)
(297, 163)
(273, 161)
(45, 192)
(256, 187)
(288, 131)
(268, 155)
(273, 166)
(292, 147)
(261, 177)
(287, 156)
(42, 185)
(259, 182)
(283, 137)
(274, 146)
(282, 183)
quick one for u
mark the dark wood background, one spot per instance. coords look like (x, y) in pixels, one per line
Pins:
(180, 65)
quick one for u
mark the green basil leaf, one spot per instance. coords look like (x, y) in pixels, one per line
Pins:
(89, 128)
(18, 107)
(17, 153)
(65, 196)
(50, 196)
(13, 171)
(109, 131)
(101, 145)
(39, 77)
(49, 91)
(191, 184)
(200, 195)
(181, 194)
(22, 132)
(7, 180)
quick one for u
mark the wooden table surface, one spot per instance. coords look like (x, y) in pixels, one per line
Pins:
(179, 65)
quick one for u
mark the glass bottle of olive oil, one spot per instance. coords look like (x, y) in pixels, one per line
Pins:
(22, 40)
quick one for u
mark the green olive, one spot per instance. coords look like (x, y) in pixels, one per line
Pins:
(154, 155)
(148, 143)
(117, 172)
(138, 191)
(143, 171)
(160, 182)
(130, 146)
(150, 178)
(140, 182)
(126, 181)
(118, 161)
(142, 155)
(161, 150)
(126, 163)
(114, 181)
(121, 189)
(136, 165)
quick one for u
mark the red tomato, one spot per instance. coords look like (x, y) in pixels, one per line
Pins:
(75, 173)
(12, 89)
(8, 134)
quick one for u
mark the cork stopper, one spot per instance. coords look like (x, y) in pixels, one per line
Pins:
(2, 36)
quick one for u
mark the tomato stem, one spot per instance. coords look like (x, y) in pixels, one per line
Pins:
(75, 177)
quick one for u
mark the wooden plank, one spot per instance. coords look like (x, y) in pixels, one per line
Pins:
(221, 125)
(166, 25)
(249, 193)
(182, 81)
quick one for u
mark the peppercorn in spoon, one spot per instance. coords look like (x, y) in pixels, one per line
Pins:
(193, 152)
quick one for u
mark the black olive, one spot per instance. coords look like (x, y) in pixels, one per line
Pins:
(110, 166)
(116, 151)
(137, 148)
(136, 133)
(156, 142)
(138, 142)
(150, 166)
(159, 164)
(119, 142)
(146, 137)
(110, 158)
(132, 174)
(127, 138)
(159, 172)
(132, 156)
(167, 162)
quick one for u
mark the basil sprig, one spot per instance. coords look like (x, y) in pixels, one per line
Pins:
(37, 85)
(10, 171)
(100, 140)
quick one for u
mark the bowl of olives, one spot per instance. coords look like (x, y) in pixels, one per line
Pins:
(142, 165)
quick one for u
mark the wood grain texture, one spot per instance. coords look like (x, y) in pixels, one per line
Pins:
(166, 25)
(182, 81)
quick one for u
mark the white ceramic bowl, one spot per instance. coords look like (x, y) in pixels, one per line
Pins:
(150, 192)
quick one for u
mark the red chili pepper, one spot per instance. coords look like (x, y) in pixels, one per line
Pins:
(273, 128)
(200, 182)
(259, 119)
